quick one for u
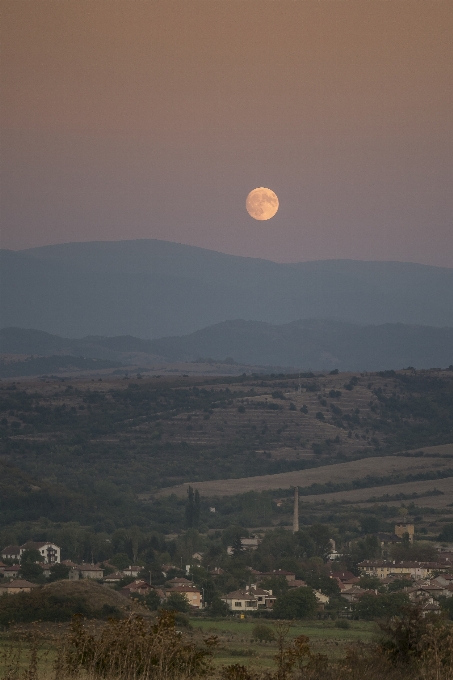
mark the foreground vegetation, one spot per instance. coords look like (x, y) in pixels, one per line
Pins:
(410, 647)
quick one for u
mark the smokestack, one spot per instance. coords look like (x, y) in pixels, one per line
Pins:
(296, 510)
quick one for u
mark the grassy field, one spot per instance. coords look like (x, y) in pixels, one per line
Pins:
(238, 646)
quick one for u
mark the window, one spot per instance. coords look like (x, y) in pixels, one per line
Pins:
(238, 604)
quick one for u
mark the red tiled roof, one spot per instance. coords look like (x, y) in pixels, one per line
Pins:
(11, 550)
(239, 595)
(343, 575)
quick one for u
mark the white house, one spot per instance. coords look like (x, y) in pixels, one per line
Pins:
(240, 601)
(250, 599)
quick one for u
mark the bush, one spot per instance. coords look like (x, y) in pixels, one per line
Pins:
(263, 633)
(42, 606)
(343, 624)
(135, 648)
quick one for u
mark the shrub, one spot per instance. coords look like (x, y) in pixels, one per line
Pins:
(135, 648)
(263, 633)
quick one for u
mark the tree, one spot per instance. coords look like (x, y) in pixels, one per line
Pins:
(30, 567)
(313, 542)
(370, 525)
(236, 546)
(31, 557)
(277, 584)
(297, 604)
(446, 534)
(218, 607)
(120, 560)
(415, 552)
(192, 512)
(384, 606)
(152, 600)
(370, 582)
(58, 572)
(177, 602)
(31, 571)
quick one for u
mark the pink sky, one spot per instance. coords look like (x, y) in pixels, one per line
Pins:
(154, 119)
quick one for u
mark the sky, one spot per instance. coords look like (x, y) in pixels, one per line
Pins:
(128, 119)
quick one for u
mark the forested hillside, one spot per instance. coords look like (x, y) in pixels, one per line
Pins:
(87, 449)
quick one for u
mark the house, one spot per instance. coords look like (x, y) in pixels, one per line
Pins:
(263, 597)
(349, 584)
(431, 608)
(198, 556)
(17, 586)
(113, 579)
(384, 568)
(90, 571)
(246, 544)
(217, 571)
(190, 592)
(179, 581)
(11, 552)
(132, 571)
(386, 541)
(138, 587)
(322, 599)
(260, 575)
(342, 575)
(240, 601)
(2, 567)
(250, 599)
(50, 553)
(354, 594)
(11, 572)
(444, 579)
(297, 583)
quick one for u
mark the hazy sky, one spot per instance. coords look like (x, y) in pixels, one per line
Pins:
(127, 119)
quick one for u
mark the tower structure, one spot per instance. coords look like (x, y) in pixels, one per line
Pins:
(296, 510)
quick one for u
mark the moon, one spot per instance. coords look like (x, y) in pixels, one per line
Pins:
(262, 203)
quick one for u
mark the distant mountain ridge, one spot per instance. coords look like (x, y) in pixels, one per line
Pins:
(152, 288)
(307, 345)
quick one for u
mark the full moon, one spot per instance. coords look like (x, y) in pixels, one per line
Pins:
(262, 203)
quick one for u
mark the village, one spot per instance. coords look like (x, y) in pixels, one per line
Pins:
(426, 583)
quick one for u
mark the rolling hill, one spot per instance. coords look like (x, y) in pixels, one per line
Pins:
(152, 288)
(307, 345)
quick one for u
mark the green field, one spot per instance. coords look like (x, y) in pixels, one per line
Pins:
(236, 643)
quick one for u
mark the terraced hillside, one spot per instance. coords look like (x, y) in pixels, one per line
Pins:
(145, 434)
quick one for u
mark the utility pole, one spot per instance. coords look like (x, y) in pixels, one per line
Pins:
(296, 510)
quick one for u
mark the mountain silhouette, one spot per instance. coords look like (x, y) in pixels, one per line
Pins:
(151, 289)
